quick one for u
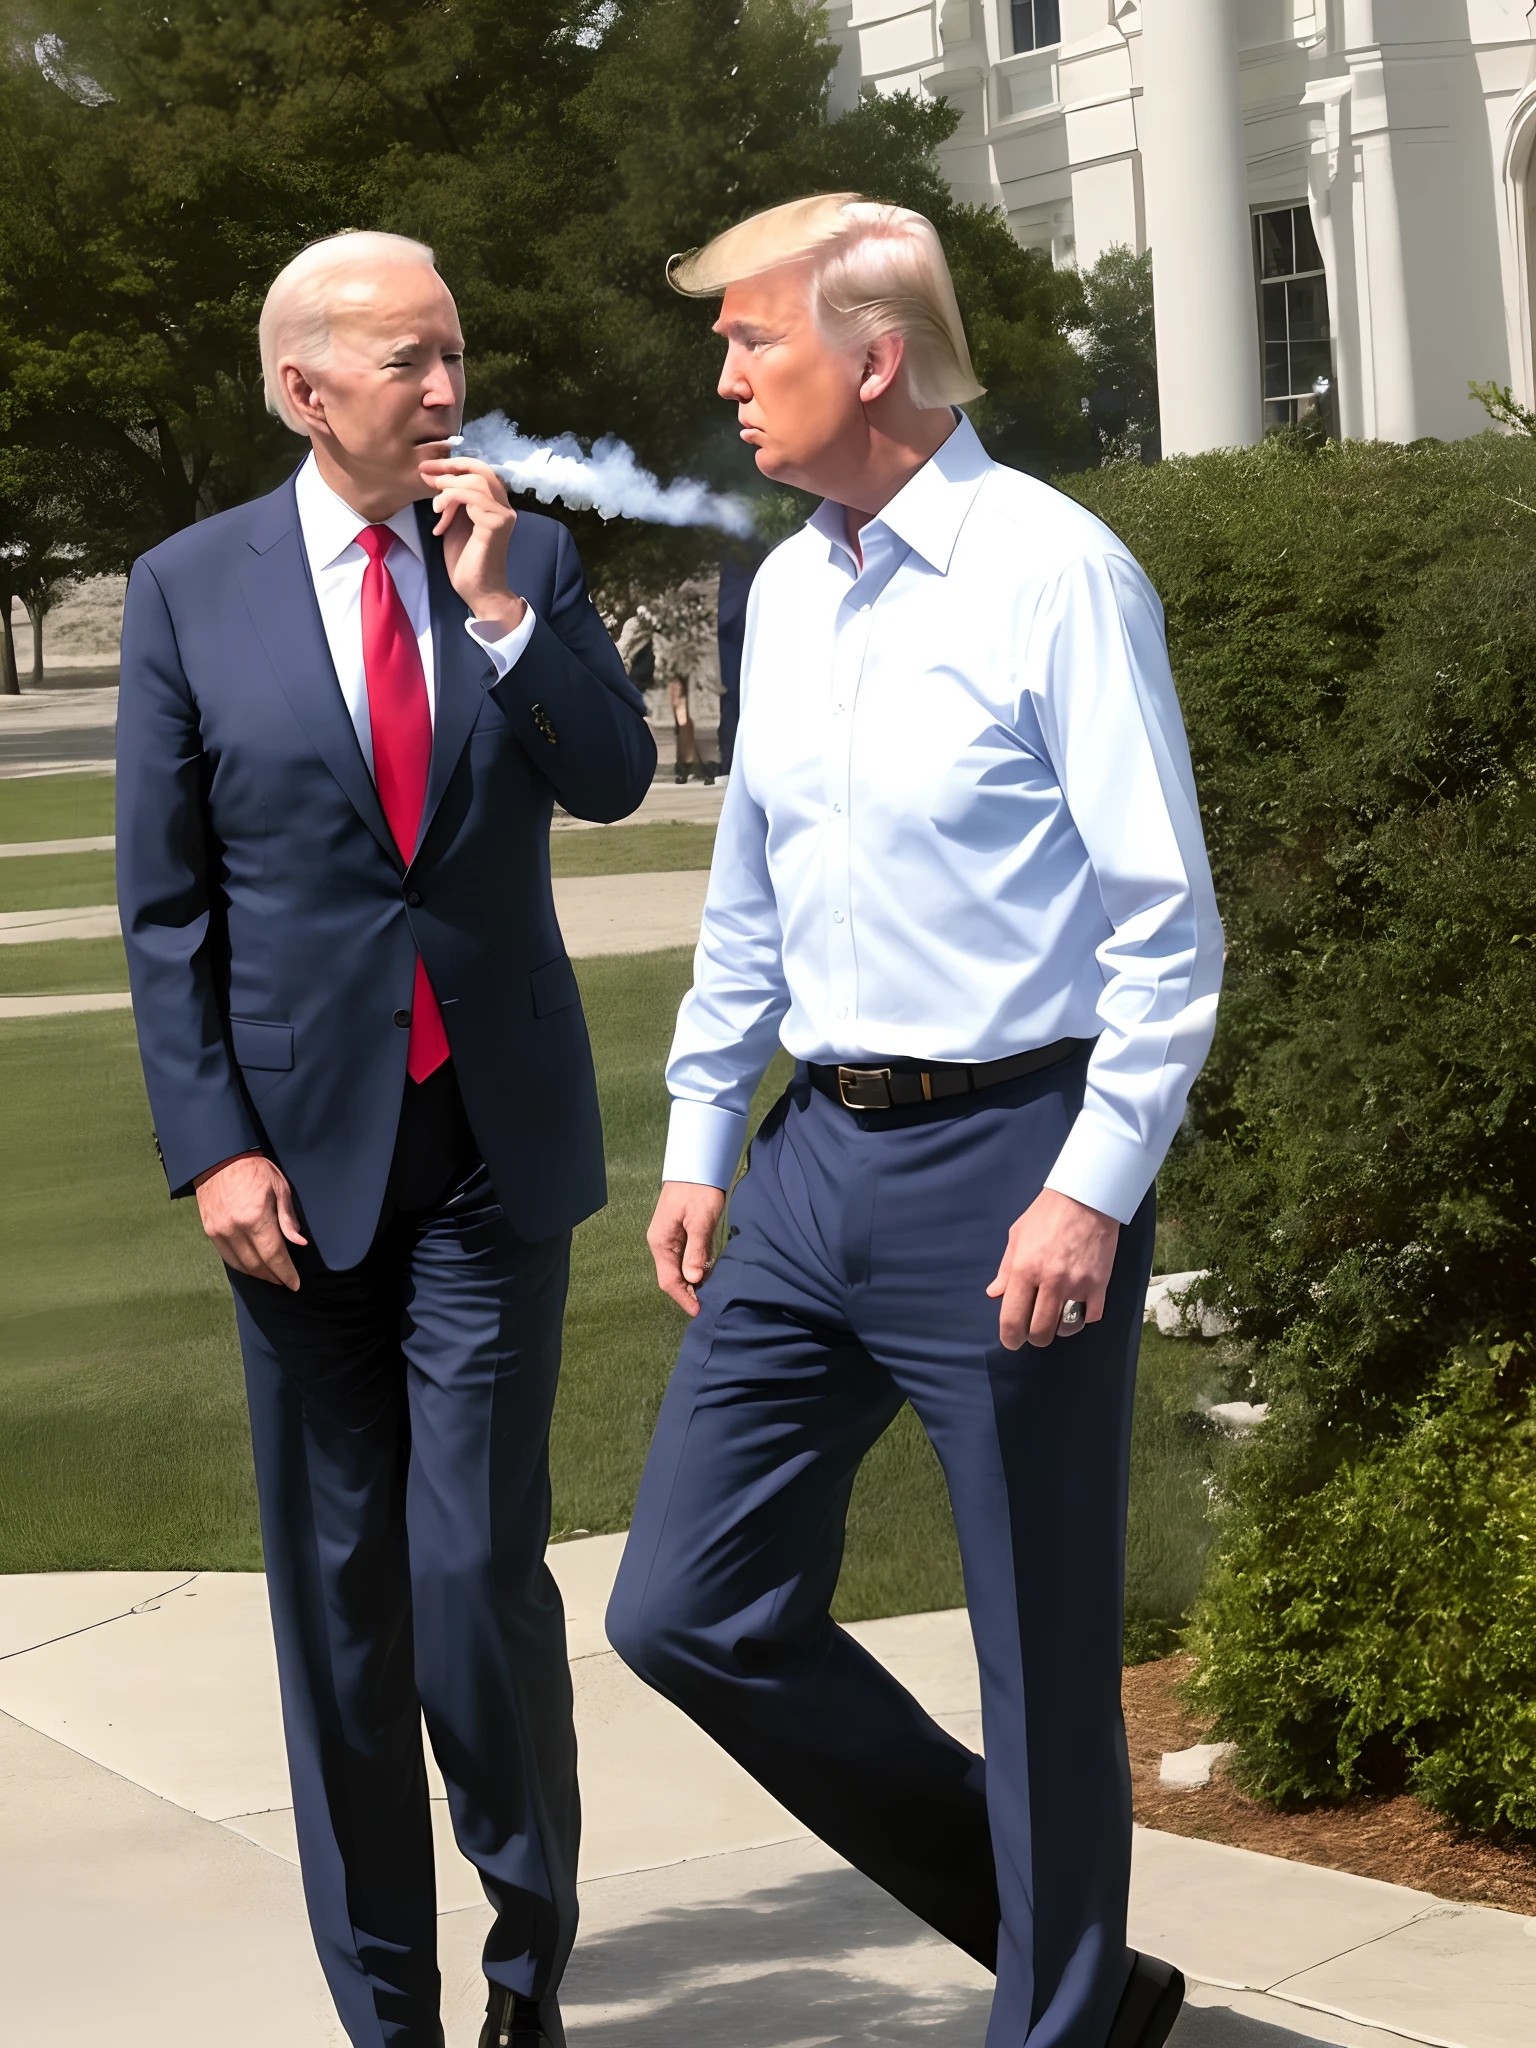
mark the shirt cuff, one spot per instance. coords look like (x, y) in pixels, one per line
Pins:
(503, 648)
(703, 1144)
(1103, 1169)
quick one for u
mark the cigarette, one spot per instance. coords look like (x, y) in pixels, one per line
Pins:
(455, 440)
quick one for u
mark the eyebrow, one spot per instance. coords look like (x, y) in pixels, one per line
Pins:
(408, 342)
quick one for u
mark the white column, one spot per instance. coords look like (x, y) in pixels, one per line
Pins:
(1199, 228)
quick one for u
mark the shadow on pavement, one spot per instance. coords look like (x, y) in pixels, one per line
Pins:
(1212, 2026)
(822, 1958)
(826, 1957)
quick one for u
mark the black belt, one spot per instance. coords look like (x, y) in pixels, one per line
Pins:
(898, 1084)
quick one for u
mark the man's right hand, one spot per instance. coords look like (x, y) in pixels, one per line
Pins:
(247, 1210)
(682, 1238)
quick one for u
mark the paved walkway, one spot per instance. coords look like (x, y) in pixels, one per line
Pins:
(598, 914)
(148, 1866)
(107, 843)
(42, 731)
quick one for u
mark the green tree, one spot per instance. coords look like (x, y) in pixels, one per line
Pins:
(166, 163)
(1114, 331)
(40, 550)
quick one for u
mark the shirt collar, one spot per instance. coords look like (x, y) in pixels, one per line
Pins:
(929, 510)
(329, 524)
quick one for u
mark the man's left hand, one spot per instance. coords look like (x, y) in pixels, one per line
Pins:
(475, 520)
(1058, 1251)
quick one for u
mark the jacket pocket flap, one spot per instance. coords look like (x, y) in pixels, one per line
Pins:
(554, 987)
(262, 1045)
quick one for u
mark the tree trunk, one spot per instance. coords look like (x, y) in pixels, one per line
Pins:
(10, 682)
(36, 613)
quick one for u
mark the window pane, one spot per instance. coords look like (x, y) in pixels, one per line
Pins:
(1308, 255)
(1307, 307)
(1280, 413)
(1309, 361)
(1277, 369)
(1276, 247)
(1023, 25)
(1047, 24)
(1272, 302)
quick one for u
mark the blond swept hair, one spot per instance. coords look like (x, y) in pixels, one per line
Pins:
(874, 270)
(297, 311)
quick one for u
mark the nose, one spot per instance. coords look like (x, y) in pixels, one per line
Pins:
(439, 391)
(734, 382)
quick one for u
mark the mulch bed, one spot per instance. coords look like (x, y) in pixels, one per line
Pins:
(1395, 1839)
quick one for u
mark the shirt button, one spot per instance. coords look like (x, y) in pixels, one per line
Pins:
(413, 897)
(838, 808)
(837, 917)
(842, 1012)
(403, 1019)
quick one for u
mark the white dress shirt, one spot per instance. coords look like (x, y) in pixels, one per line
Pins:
(960, 824)
(336, 561)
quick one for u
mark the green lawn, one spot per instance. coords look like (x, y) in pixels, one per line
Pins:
(63, 967)
(55, 807)
(631, 849)
(50, 808)
(122, 1427)
(56, 881)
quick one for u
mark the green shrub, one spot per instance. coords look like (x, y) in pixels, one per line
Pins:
(1353, 630)
(1381, 1628)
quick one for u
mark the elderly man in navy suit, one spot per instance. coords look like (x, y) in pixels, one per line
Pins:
(347, 711)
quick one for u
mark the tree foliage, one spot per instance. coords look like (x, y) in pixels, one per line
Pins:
(1354, 635)
(554, 153)
(1114, 329)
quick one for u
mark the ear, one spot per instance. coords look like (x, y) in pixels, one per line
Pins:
(304, 402)
(882, 366)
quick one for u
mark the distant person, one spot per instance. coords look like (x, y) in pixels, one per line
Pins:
(347, 711)
(689, 755)
(736, 574)
(637, 650)
(960, 877)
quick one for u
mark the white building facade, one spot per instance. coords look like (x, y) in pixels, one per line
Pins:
(1338, 194)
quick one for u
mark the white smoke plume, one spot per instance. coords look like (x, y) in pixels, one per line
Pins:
(609, 481)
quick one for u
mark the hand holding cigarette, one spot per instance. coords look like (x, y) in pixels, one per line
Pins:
(475, 522)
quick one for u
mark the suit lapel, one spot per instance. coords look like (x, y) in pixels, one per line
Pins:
(464, 672)
(280, 597)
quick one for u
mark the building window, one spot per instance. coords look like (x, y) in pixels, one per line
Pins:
(1036, 25)
(1293, 318)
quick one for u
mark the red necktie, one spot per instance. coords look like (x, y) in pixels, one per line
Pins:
(402, 752)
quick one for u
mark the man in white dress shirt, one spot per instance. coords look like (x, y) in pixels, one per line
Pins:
(960, 877)
(347, 710)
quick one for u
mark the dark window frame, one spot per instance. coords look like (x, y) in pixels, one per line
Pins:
(1033, 24)
(1295, 338)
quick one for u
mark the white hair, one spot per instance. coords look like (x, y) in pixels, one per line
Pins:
(874, 270)
(297, 311)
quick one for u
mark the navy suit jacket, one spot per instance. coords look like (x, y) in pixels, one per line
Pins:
(271, 925)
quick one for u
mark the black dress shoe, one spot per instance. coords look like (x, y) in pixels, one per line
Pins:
(1149, 2005)
(512, 2022)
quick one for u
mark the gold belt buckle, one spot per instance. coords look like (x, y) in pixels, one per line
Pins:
(852, 1081)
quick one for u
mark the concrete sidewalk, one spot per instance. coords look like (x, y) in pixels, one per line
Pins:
(597, 913)
(148, 1866)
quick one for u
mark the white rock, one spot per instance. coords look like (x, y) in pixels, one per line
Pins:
(1166, 1308)
(1238, 1417)
(1184, 1769)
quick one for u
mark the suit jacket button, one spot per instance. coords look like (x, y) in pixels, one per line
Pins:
(413, 897)
(403, 1019)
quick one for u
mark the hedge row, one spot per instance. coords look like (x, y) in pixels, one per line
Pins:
(1353, 630)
